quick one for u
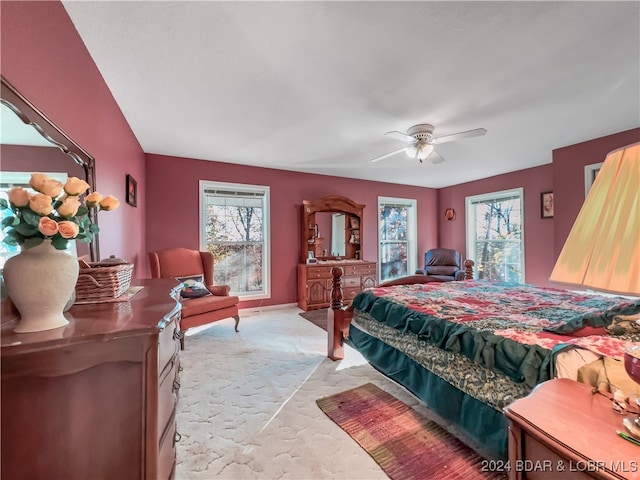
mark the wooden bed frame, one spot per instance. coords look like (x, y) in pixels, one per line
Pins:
(340, 315)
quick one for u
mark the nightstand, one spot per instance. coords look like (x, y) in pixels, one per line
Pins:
(562, 430)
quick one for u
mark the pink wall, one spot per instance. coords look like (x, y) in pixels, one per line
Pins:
(23, 158)
(544, 238)
(538, 232)
(568, 174)
(43, 56)
(171, 176)
(45, 59)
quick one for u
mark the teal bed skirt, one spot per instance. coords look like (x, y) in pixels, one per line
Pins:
(480, 421)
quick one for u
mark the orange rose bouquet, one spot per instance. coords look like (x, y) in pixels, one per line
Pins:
(55, 212)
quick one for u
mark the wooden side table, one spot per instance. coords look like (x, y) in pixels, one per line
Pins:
(563, 430)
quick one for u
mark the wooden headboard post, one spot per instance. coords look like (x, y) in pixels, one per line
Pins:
(338, 318)
(468, 269)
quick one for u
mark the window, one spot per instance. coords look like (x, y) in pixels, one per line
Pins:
(234, 226)
(495, 240)
(590, 174)
(397, 227)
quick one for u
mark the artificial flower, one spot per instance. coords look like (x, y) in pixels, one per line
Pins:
(69, 207)
(47, 226)
(19, 197)
(52, 188)
(37, 179)
(68, 229)
(75, 186)
(93, 199)
(41, 204)
(109, 203)
(55, 212)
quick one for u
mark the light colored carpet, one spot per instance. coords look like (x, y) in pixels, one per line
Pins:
(247, 406)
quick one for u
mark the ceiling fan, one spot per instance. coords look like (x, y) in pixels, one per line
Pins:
(421, 142)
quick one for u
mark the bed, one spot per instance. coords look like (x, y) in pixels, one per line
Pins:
(469, 348)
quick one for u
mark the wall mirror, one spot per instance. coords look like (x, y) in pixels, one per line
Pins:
(30, 141)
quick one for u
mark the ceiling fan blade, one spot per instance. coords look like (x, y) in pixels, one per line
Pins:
(400, 136)
(456, 136)
(435, 158)
(377, 159)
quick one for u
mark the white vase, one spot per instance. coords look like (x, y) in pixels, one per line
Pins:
(40, 281)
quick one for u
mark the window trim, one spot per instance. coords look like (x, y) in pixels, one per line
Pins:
(412, 234)
(471, 221)
(589, 176)
(266, 255)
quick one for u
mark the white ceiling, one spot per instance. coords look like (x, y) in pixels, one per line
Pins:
(313, 86)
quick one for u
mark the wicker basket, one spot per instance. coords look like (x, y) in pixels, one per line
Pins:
(101, 281)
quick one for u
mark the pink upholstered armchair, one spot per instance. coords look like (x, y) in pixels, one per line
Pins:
(182, 262)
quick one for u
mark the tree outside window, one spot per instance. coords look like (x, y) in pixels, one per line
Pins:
(235, 231)
(495, 236)
(396, 237)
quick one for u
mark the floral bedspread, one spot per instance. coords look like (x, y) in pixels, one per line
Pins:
(510, 328)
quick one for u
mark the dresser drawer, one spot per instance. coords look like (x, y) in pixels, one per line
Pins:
(168, 345)
(167, 399)
(167, 451)
(351, 282)
(349, 294)
(319, 272)
(367, 268)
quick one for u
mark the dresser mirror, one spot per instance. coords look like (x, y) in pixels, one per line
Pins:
(331, 232)
(331, 229)
(30, 142)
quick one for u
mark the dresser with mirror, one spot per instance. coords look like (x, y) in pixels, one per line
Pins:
(331, 236)
(96, 398)
(31, 142)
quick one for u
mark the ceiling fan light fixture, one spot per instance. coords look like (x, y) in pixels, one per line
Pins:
(419, 151)
(421, 140)
(412, 151)
(424, 151)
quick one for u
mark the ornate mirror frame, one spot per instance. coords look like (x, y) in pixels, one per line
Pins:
(29, 114)
(335, 204)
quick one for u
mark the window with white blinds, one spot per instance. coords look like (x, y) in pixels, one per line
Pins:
(397, 237)
(234, 226)
(495, 235)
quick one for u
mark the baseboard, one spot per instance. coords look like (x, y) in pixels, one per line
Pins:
(259, 309)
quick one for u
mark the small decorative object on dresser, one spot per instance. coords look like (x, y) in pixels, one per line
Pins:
(40, 280)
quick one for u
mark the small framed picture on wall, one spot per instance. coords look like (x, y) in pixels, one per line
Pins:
(132, 191)
(546, 204)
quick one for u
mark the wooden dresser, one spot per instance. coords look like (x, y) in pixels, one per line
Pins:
(314, 281)
(562, 430)
(95, 399)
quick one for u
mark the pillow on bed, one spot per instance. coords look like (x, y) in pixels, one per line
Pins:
(602, 317)
(193, 287)
(624, 324)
